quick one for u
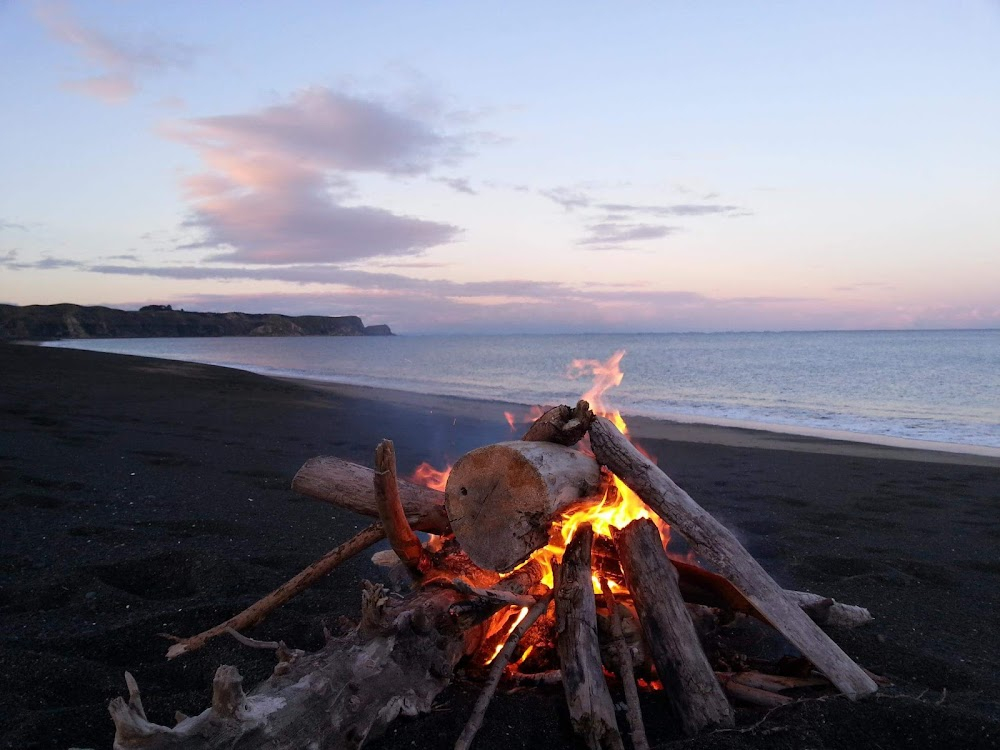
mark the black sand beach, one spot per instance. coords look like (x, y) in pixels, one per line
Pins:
(145, 496)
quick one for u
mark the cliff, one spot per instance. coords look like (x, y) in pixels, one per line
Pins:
(66, 321)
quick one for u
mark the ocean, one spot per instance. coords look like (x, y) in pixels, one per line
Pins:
(940, 386)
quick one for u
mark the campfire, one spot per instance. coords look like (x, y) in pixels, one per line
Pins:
(547, 564)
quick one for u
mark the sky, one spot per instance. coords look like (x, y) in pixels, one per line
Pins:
(508, 167)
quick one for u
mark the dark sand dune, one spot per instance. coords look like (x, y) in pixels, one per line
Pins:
(144, 496)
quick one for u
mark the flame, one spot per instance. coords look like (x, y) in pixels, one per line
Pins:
(428, 476)
(524, 656)
(607, 375)
(620, 505)
(517, 621)
(527, 418)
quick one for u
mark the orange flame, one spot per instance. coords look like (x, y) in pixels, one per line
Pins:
(607, 375)
(517, 621)
(616, 509)
(428, 476)
(511, 419)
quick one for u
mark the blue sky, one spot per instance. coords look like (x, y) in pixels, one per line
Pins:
(514, 167)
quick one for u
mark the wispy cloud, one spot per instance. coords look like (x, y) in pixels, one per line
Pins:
(4, 225)
(11, 263)
(279, 179)
(458, 184)
(613, 235)
(569, 198)
(119, 63)
(617, 224)
(677, 209)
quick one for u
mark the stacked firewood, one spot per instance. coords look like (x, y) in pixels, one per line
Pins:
(501, 506)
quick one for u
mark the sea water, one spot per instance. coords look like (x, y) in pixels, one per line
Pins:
(941, 386)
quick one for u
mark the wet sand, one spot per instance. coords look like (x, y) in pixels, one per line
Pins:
(145, 496)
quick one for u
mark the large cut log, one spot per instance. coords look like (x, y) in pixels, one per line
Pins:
(394, 663)
(591, 710)
(694, 695)
(501, 499)
(715, 543)
(351, 486)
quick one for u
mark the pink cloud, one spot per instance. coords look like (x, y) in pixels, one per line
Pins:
(112, 88)
(119, 61)
(278, 179)
(329, 129)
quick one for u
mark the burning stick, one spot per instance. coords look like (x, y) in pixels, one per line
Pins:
(591, 710)
(623, 666)
(694, 693)
(496, 672)
(715, 542)
(390, 510)
(262, 608)
(561, 424)
(496, 596)
(470, 612)
(548, 677)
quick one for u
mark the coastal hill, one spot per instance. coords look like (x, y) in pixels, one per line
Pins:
(67, 321)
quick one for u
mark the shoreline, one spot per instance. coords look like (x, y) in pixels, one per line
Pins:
(735, 434)
(708, 428)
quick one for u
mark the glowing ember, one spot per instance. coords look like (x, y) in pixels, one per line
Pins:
(428, 476)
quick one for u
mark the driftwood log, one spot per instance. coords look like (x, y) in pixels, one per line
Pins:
(591, 709)
(715, 543)
(503, 498)
(694, 695)
(703, 586)
(352, 487)
(394, 663)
